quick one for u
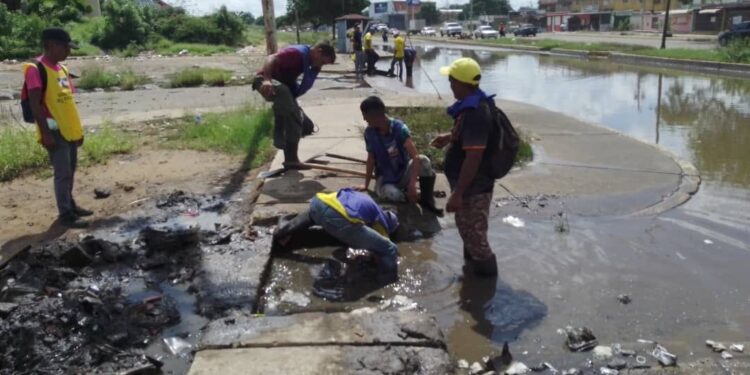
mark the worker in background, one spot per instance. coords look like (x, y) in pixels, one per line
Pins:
(410, 54)
(370, 55)
(399, 44)
(359, 58)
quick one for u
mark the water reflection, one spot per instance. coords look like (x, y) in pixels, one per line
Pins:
(702, 118)
(501, 313)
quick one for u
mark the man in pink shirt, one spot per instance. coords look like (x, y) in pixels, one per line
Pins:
(57, 120)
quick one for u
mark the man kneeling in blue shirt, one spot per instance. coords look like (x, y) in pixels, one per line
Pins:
(354, 219)
(398, 166)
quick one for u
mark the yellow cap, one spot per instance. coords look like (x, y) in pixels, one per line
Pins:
(464, 69)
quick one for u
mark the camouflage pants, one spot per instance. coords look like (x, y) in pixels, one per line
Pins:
(472, 222)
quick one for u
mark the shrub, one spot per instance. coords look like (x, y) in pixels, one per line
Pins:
(124, 24)
(192, 77)
(19, 34)
(737, 51)
(95, 76)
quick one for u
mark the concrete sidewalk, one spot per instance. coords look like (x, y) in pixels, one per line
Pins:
(601, 172)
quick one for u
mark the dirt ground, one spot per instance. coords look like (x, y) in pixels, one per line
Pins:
(28, 204)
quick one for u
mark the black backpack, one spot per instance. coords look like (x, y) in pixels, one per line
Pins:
(503, 152)
(28, 116)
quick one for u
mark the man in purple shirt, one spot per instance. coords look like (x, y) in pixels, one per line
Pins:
(277, 83)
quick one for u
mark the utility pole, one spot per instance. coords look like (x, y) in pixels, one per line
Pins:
(296, 20)
(666, 25)
(270, 22)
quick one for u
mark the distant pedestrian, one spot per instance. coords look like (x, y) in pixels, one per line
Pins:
(468, 162)
(354, 219)
(398, 165)
(277, 83)
(399, 45)
(502, 30)
(49, 91)
(385, 35)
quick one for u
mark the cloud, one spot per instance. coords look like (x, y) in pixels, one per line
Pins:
(252, 6)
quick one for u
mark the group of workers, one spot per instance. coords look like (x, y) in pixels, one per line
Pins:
(365, 56)
(350, 215)
(401, 173)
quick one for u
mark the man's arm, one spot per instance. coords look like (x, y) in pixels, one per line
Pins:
(411, 188)
(35, 101)
(370, 166)
(266, 88)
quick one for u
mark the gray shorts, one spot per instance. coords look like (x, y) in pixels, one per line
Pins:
(396, 192)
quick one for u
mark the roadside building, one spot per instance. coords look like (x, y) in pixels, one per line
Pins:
(714, 18)
(395, 13)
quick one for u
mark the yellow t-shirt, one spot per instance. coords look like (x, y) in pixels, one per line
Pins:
(399, 44)
(368, 40)
(60, 103)
(331, 200)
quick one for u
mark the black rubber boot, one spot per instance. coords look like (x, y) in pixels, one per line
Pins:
(486, 267)
(427, 198)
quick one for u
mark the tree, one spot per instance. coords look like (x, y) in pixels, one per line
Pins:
(229, 25)
(321, 12)
(124, 24)
(247, 17)
(429, 13)
(12, 4)
(57, 12)
(486, 7)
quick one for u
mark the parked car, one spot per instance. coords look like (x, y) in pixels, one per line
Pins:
(428, 31)
(451, 29)
(738, 31)
(485, 31)
(525, 30)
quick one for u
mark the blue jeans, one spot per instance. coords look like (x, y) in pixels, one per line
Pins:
(64, 158)
(358, 236)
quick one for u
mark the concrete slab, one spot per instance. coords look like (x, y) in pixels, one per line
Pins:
(231, 280)
(311, 329)
(319, 360)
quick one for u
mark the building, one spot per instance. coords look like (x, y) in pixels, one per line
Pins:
(394, 13)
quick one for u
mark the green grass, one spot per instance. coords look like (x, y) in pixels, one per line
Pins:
(246, 131)
(96, 76)
(20, 152)
(736, 53)
(427, 122)
(82, 32)
(101, 144)
(193, 77)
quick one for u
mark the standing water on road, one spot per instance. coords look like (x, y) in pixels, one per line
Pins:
(684, 269)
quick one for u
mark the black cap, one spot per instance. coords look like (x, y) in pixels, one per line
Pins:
(56, 34)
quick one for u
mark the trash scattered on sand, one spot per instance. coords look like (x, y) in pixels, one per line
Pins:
(399, 303)
(624, 299)
(708, 242)
(726, 355)
(664, 357)
(716, 346)
(101, 193)
(580, 339)
(739, 348)
(513, 221)
(602, 352)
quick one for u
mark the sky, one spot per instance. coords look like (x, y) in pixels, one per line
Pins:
(254, 6)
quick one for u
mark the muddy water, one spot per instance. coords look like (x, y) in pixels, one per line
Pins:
(685, 270)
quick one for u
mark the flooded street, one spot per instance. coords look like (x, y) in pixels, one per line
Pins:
(684, 271)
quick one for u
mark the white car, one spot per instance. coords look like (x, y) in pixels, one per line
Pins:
(451, 29)
(485, 31)
(428, 31)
